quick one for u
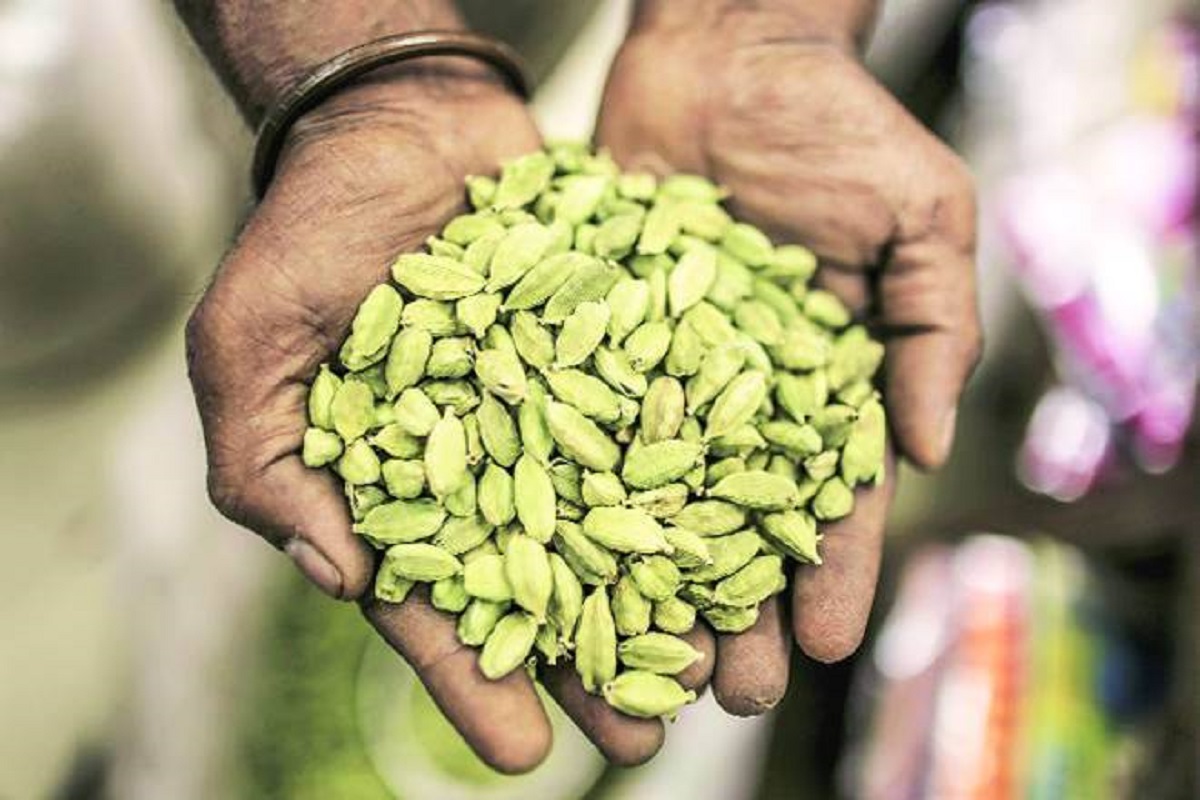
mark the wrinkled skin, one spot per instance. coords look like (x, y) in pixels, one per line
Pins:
(813, 150)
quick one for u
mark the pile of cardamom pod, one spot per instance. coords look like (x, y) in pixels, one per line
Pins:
(595, 408)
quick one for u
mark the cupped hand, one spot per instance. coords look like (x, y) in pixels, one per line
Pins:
(813, 150)
(367, 175)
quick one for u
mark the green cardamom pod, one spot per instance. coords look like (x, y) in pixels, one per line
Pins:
(794, 532)
(580, 439)
(486, 578)
(521, 248)
(352, 410)
(756, 489)
(448, 595)
(687, 351)
(659, 653)
(736, 404)
(401, 521)
(320, 398)
(662, 502)
(617, 235)
(753, 583)
(478, 620)
(498, 431)
(660, 463)
(446, 456)
(372, 328)
(596, 642)
(362, 499)
(358, 464)
(866, 444)
(390, 587)
(729, 619)
(435, 277)
(466, 228)
(644, 694)
(602, 489)
(508, 645)
(321, 447)
(719, 366)
(729, 554)
(625, 530)
(659, 229)
(501, 373)
(711, 517)
(631, 610)
(691, 279)
(544, 280)
(528, 570)
(534, 343)
(823, 307)
(629, 300)
(534, 498)
(647, 345)
(404, 478)
(662, 410)
(614, 367)
(656, 577)
(566, 599)
(833, 501)
(674, 615)
(421, 562)
(496, 498)
(691, 550)
(585, 393)
(415, 413)
(460, 535)
(580, 196)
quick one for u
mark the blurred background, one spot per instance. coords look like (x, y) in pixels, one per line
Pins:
(1036, 630)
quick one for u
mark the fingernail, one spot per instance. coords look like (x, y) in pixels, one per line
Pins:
(946, 436)
(315, 566)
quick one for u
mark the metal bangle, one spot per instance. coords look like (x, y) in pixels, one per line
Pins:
(333, 75)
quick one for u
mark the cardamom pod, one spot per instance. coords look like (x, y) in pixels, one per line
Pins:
(508, 645)
(659, 653)
(421, 562)
(625, 530)
(674, 615)
(534, 498)
(631, 610)
(596, 642)
(644, 694)
(528, 570)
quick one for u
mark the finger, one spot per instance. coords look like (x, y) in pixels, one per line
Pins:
(928, 308)
(697, 676)
(752, 667)
(623, 740)
(503, 721)
(252, 405)
(831, 602)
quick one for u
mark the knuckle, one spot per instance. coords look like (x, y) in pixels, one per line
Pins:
(226, 493)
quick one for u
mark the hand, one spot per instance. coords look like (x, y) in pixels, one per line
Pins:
(814, 151)
(368, 175)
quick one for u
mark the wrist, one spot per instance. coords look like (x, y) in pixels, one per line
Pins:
(843, 24)
(261, 48)
(450, 110)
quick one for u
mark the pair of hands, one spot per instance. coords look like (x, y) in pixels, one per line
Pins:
(812, 149)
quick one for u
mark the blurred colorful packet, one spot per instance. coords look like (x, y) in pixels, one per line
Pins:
(987, 680)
